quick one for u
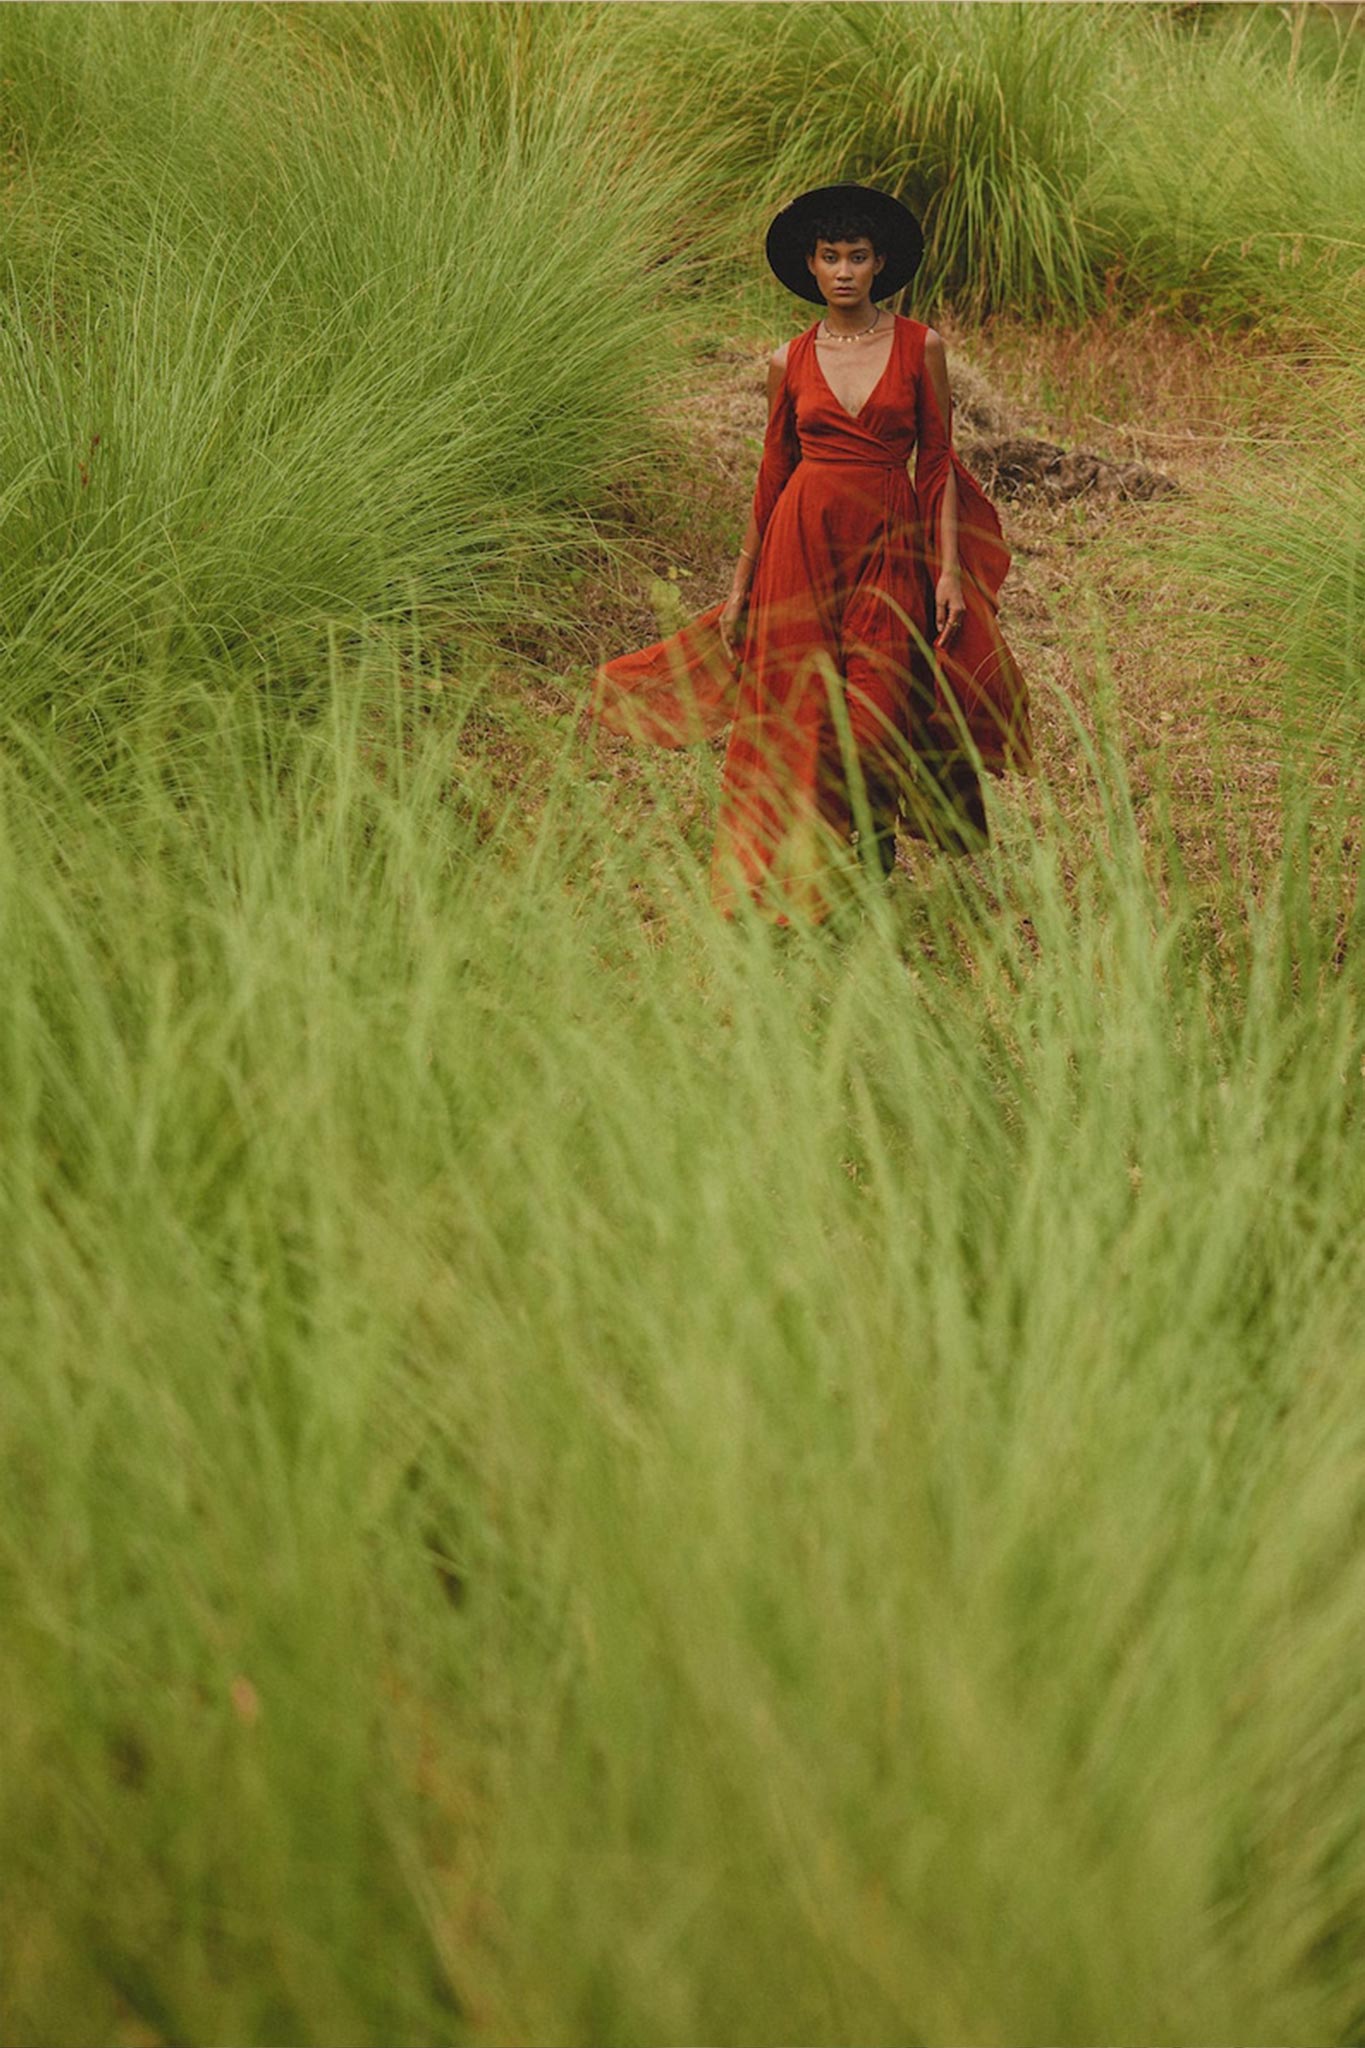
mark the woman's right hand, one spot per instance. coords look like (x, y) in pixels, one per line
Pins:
(729, 623)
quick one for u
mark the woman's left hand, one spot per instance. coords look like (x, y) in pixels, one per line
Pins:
(950, 606)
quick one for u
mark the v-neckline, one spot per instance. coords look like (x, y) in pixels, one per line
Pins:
(890, 357)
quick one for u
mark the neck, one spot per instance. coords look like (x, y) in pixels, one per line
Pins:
(844, 318)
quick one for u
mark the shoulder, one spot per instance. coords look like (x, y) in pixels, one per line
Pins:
(786, 350)
(935, 354)
(935, 360)
(927, 339)
(777, 370)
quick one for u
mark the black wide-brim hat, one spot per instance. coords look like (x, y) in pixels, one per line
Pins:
(898, 236)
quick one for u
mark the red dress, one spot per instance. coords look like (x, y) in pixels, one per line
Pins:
(837, 656)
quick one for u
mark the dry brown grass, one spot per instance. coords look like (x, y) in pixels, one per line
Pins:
(1196, 710)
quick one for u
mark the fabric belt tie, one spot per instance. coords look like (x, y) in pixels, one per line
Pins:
(858, 461)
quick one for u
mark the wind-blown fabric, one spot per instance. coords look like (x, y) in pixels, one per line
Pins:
(837, 665)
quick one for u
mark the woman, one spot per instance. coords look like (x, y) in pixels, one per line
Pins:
(856, 660)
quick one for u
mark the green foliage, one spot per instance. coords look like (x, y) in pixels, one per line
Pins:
(979, 115)
(1280, 570)
(1231, 192)
(297, 348)
(1290, 583)
(1060, 155)
(564, 1487)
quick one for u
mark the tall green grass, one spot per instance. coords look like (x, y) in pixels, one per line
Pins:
(1277, 565)
(1290, 584)
(282, 343)
(1231, 189)
(577, 1474)
(1062, 157)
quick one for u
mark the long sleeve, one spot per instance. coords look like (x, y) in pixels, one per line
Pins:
(933, 443)
(980, 672)
(977, 519)
(781, 453)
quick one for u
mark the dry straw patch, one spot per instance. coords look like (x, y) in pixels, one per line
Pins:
(1196, 707)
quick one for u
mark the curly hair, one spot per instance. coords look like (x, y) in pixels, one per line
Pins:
(842, 227)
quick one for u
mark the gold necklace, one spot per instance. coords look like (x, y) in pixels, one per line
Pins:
(857, 334)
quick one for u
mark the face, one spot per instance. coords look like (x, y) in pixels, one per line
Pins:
(844, 271)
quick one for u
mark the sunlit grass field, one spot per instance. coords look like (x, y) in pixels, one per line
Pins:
(573, 1472)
